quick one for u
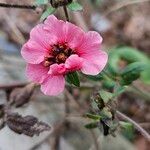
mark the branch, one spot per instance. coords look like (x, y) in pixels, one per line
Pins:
(95, 140)
(66, 13)
(18, 6)
(71, 98)
(11, 86)
(136, 125)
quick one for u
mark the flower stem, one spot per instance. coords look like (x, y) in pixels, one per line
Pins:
(18, 6)
(66, 13)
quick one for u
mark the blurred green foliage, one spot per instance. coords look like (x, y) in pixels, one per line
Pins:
(135, 65)
(138, 64)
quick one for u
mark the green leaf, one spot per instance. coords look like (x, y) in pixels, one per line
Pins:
(41, 2)
(47, 12)
(92, 116)
(105, 113)
(145, 75)
(132, 72)
(106, 96)
(126, 125)
(128, 129)
(91, 125)
(74, 6)
(73, 78)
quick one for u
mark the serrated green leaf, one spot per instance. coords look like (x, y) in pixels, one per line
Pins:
(106, 96)
(75, 6)
(91, 125)
(41, 2)
(132, 72)
(73, 78)
(47, 12)
(92, 116)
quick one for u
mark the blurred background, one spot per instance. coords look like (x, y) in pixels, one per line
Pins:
(122, 24)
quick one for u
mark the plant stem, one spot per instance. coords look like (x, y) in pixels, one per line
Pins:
(18, 6)
(109, 76)
(136, 125)
(66, 13)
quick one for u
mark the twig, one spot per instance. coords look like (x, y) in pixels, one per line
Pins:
(19, 36)
(123, 4)
(67, 110)
(18, 6)
(95, 140)
(66, 13)
(70, 97)
(136, 125)
(35, 147)
(11, 86)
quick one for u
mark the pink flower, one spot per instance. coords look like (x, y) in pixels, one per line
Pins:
(56, 48)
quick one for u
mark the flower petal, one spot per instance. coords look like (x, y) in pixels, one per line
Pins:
(92, 40)
(56, 27)
(32, 52)
(36, 73)
(74, 35)
(43, 37)
(57, 69)
(53, 85)
(73, 63)
(94, 63)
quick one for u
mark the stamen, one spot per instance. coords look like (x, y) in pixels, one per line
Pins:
(47, 63)
(61, 58)
(59, 54)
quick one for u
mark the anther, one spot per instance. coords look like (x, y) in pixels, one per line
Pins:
(61, 58)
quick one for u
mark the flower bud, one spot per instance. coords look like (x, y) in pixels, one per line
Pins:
(58, 3)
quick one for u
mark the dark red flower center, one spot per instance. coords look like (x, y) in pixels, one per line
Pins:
(59, 53)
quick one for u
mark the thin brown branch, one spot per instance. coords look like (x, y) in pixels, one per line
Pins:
(71, 98)
(13, 85)
(66, 13)
(95, 140)
(18, 6)
(136, 125)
